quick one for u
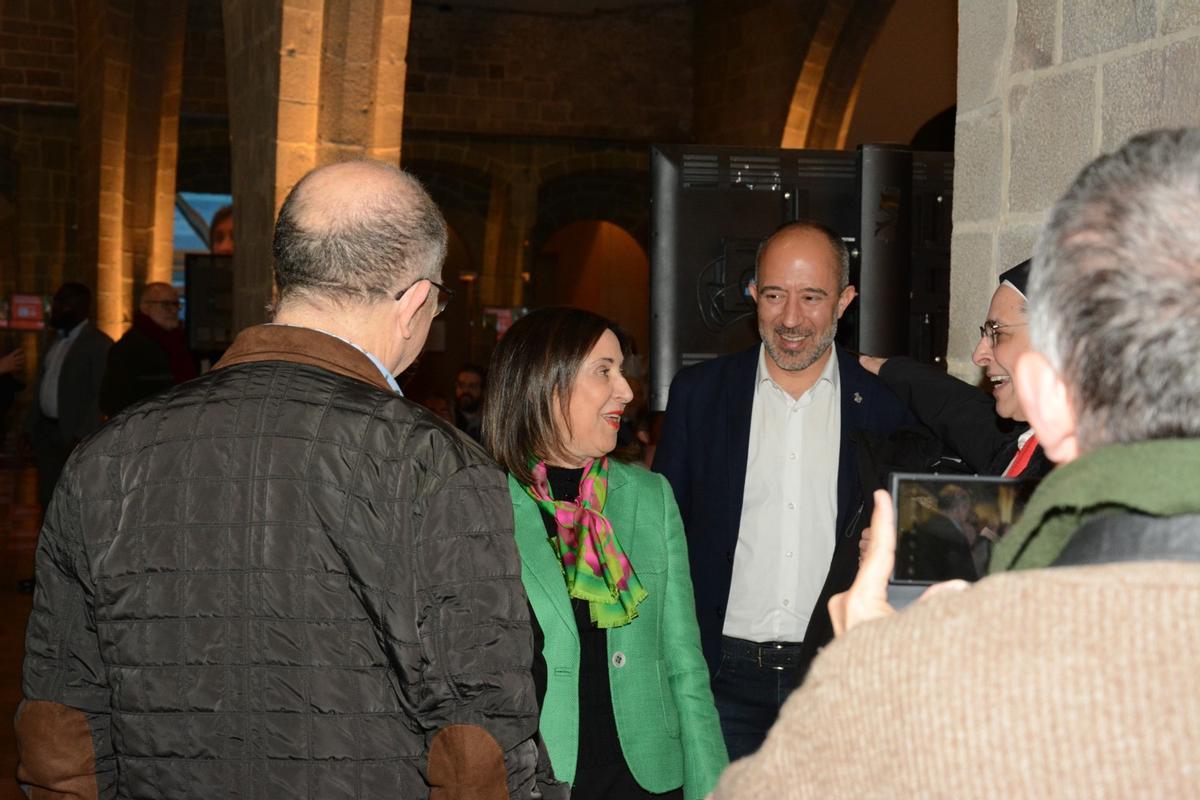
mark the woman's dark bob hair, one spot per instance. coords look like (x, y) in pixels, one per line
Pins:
(533, 366)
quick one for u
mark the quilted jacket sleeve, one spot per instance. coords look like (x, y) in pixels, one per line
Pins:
(63, 737)
(476, 698)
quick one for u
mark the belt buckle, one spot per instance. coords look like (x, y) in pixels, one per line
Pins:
(778, 648)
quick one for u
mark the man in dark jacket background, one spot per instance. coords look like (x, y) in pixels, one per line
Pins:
(65, 406)
(284, 579)
(152, 355)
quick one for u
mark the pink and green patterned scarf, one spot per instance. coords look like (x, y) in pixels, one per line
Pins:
(594, 565)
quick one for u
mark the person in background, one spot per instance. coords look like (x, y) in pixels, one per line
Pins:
(942, 540)
(12, 364)
(469, 385)
(439, 405)
(283, 579)
(1073, 681)
(153, 354)
(220, 232)
(627, 710)
(66, 399)
(762, 449)
(993, 436)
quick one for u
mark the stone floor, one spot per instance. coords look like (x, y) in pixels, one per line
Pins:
(20, 518)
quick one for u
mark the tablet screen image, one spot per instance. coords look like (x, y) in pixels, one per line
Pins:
(947, 525)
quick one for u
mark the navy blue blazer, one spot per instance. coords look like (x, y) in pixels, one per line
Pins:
(703, 451)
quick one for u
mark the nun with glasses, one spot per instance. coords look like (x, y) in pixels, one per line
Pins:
(990, 434)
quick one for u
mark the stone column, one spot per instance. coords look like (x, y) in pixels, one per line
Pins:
(253, 63)
(130, 76)
(311, 82)
(498, 217)
(503, 282)
(1044, 86)
(156, 82)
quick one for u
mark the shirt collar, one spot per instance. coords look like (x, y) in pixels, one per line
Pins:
(388, 376)
(829, 373)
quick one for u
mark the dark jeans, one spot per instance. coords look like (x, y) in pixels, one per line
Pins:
(750, 686)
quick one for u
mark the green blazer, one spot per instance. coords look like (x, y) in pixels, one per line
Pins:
(666, 720)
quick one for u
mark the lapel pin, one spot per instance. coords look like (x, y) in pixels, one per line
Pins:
(858, 398)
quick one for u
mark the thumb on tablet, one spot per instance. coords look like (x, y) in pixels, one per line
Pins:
(866, 599)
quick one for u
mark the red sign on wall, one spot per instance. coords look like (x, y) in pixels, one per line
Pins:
(27, 313)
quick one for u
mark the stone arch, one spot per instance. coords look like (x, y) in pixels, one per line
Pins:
(620, 196)
(597, 265)
(606, 161)
(827, 87)
(937, 132)
(454, 154)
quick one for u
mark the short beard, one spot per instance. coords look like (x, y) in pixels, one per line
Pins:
(467, 404)
(798, 362)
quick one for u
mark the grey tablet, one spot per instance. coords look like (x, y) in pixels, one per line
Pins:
(946, 526)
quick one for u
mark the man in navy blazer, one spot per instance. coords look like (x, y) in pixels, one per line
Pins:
(761, 449)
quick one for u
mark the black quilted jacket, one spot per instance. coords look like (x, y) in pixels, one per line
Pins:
(279, 582)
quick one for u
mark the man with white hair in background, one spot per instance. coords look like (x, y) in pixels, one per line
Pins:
(1079, 680)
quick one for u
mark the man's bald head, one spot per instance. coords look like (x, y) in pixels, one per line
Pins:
(805, 228)
(357, 232)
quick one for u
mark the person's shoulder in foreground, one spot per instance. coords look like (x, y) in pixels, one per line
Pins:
(1069, 682)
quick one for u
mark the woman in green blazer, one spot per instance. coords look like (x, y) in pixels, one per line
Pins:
(627, 710)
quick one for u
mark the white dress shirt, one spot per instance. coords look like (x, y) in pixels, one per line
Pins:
(789, 509)
(48, 389)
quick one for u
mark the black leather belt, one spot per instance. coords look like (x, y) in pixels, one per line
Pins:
(771, 655)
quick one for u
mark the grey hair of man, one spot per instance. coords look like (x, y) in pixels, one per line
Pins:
(356, 233)
(1115, 291)
(840, 251)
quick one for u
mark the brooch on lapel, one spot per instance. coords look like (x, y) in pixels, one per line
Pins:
(858, 398)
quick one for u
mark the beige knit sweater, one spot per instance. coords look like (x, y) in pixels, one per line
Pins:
(1071, 683)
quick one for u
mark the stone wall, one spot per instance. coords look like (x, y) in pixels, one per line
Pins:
(623, 74)
(38, 190)
(38, 247)
(504, 198)
(1044, 86)
(37, 50)
(204, 155)
(204, 92)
